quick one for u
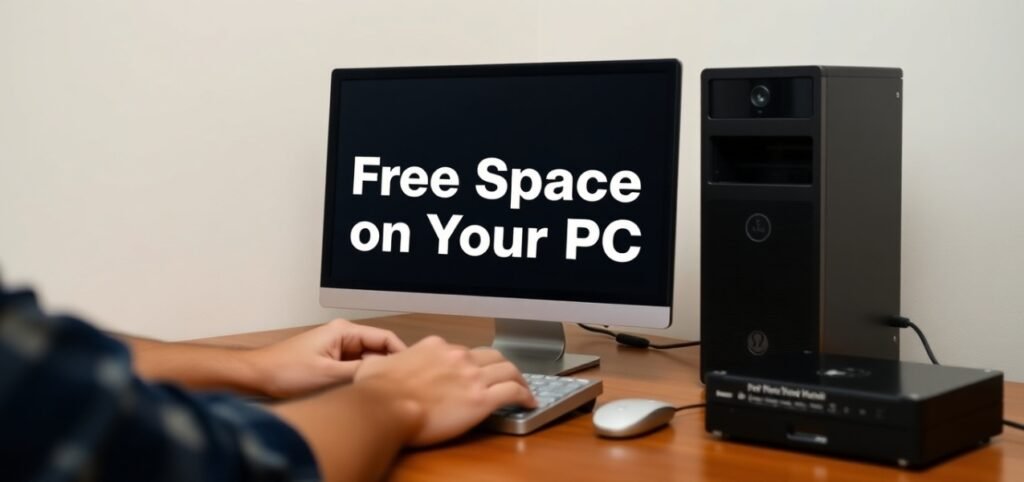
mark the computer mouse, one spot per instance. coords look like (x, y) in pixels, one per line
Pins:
(630, 417)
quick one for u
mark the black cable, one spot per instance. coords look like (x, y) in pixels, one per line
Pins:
(904, 322)
(637, 341)
(597, 330)
(687, 407)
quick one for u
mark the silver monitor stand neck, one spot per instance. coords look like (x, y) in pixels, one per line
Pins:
(538, 347)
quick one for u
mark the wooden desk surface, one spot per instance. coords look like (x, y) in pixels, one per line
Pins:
(683, 451)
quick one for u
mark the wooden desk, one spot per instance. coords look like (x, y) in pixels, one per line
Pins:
(683, 451)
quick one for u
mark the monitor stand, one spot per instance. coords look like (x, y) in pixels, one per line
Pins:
(538, 347)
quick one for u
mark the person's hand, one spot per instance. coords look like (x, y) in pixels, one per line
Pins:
(426, 394)
(454, 388)
(318, 358)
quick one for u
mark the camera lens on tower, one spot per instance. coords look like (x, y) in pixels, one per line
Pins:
(760, 96)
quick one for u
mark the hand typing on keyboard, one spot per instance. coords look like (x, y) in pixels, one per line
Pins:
(451, 387)
(555, 395)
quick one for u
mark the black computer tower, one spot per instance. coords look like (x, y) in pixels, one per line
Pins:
(800, 213)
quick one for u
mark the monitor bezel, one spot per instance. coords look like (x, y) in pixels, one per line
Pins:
(648, 316)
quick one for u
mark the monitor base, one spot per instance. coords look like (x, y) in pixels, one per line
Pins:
(538, 347)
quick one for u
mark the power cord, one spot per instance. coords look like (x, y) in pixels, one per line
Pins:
(637, 341)
(904, 322)
(687, 407)
(644, 343)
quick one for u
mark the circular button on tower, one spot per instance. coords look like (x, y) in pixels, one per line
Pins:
(757, 343)
(758, 227)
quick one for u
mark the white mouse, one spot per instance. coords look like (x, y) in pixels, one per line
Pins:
(630, 417)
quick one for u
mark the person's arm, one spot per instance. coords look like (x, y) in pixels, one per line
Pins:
(195, 366)
(73, 408)
(355, 432)
(317, 358)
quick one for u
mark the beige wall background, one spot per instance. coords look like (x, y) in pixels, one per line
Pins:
(162, 163)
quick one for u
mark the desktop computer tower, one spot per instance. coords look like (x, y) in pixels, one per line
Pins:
(800, 213)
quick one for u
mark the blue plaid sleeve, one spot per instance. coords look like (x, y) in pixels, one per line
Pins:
(72, 409)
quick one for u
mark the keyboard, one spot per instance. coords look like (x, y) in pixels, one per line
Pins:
(556, 396)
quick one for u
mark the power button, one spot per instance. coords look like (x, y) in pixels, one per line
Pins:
(758, 227)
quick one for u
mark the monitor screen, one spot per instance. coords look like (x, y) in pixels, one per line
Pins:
(517, 184)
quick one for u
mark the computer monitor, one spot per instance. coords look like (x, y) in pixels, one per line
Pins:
(530, 193)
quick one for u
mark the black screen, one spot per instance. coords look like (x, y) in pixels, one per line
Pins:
(577, 117)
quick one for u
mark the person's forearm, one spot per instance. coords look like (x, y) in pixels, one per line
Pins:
(354, 432)
(194, 366)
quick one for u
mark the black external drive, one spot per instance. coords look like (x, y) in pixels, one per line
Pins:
(904, 413)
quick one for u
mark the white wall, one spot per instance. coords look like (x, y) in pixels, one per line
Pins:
(161, 164)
